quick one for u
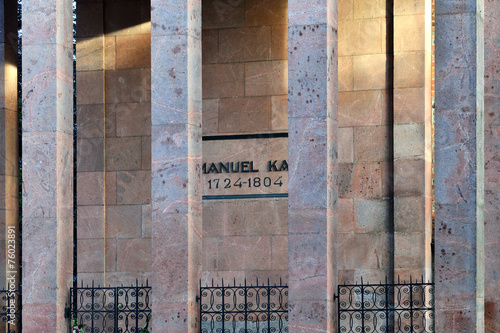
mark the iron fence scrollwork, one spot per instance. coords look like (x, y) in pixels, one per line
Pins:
(386, 307)
(259, 308)
(110, 309)
(10, 311)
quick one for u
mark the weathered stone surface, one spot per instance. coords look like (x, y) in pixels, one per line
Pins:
(245, 44)
(245, 114)
(362, 108)
(279, 42)
(266, 78)
(133, 119)
(279, 121)
(266, 12)
(225, 80)
(123, 221)
(491, 146)
(133, 51)
(313, 146)
(456, 180)
(372, 143)
(123, 154)
(90, 222)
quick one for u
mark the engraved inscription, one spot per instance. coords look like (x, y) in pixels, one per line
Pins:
(251, 166)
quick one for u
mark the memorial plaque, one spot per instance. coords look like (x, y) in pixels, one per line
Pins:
(245, 168)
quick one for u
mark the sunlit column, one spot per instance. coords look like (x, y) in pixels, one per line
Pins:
(47, 163)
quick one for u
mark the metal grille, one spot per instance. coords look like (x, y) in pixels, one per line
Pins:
(386, 307)
(258, 308)
(111, 309)
(10, 311)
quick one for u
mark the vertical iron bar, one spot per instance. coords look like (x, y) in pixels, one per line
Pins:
(362, 307)
(7, 310)
(246, 304)
(223, 307)
(411, 306)
(386, 305)
(115, 310)
(92, 305)
(338, 308)
(201, 302)
(268, 307)
(136, 305)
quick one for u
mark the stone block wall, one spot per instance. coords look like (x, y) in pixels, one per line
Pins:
(384, 139)
(365, 142)
(114, 141)
(245, 70)
(245, 91)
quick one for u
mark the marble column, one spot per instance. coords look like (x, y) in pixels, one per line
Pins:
(459, 167)
(47, 163)
(176, 163)
(492, 165)
(312, 120)
(9, 147)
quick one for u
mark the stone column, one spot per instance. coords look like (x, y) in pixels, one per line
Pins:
(492, 165)
(47, 164)
(312, 119)
(9, 150)
(459, 168)
(176, 163)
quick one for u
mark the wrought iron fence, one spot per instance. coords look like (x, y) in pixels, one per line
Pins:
(386, 307)
(10, 311)
(111, 309)
(259, 308)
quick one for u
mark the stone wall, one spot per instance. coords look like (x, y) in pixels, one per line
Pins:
(245, 77)
(114, 141)
(384, 140)
(365, 142)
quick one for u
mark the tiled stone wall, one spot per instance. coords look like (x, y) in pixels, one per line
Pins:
(245, 91)
(245, 68)
(384, 140)
(412, 139)
(365, 142)
(114, 141)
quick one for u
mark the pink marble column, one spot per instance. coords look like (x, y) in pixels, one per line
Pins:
(492, 165)
(176, 163)
(9, 150)
(47, 164)
(312, 205)
(459, 170)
